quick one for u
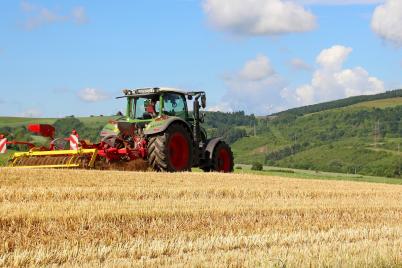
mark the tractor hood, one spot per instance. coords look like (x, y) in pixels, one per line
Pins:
(160, 124)
(128, 126)
(110, 129)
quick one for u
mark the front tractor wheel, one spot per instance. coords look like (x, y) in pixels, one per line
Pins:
(222, 158)
(172, 150)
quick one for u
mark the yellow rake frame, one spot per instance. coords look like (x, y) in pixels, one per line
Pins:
(71, 162)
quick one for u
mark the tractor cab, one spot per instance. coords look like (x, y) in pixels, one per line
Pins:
(149, 110)
(148, 104)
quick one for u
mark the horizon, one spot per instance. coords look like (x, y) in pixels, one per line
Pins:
(76, 56)
(190, 110)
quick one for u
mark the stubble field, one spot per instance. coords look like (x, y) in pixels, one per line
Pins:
(110, 218)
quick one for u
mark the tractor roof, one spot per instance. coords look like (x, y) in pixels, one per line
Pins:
(155, 90)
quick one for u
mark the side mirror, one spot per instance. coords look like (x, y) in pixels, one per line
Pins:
(203, 101)
(189, 97)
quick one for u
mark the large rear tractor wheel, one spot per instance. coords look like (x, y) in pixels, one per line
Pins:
(171, 151)
(222, 158)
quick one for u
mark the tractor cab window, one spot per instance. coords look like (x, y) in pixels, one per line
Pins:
(146, 107)
(174, 105)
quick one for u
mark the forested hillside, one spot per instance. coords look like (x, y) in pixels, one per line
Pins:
(230, 126)
(364, 137)
(352, 141)
(339, 103)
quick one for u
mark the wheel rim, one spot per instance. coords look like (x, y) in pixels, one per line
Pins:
(224, 160)
(179, 151)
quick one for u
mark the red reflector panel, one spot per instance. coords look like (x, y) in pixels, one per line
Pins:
(44, 130)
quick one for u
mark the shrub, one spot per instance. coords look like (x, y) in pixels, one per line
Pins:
(257, 166)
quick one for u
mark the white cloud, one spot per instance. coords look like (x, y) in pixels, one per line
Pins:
(92, 95)
(300, 65)
(44, 16)
(340, 2)
(357, 82)
(387, 21)
(258, 88)
(79, 16)
(257, 69)
(259, 17)
(253, 88)
(330, 81)
(37, 16)
(333, 58)
(27, 7)
(305, 94)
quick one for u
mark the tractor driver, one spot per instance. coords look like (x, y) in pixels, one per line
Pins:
(150, 107)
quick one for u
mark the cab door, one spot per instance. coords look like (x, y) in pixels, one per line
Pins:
(175, 105)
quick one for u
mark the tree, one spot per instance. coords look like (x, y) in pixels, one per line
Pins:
(64, 126)
(257, 166)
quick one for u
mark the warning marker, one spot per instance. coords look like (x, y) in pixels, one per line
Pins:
(74, 142)
(3, 146)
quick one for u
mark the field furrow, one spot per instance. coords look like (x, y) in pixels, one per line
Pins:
(110, 218)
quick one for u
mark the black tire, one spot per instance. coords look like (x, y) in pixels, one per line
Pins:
(222, 159)
(172, 150)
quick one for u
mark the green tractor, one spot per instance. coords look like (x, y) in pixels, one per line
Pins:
(159, 128)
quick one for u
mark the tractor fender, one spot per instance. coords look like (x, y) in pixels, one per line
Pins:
(211, 144)
(156, 127)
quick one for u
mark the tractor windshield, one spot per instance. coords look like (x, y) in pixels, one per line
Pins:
(174, 105)
(145, 107)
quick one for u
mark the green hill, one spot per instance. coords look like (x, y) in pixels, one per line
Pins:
(362, 137)
(341, 103)
(385, 103)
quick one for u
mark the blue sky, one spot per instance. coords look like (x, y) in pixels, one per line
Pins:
(73, 57)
